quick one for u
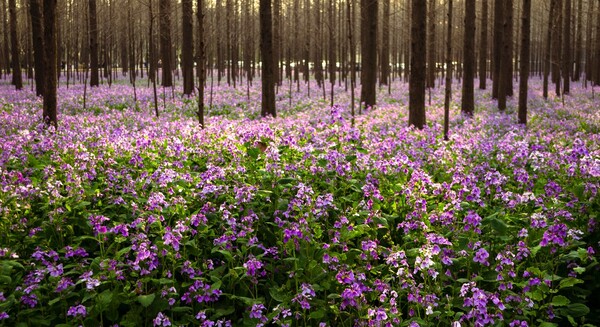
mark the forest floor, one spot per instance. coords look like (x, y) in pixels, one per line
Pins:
(120, 217)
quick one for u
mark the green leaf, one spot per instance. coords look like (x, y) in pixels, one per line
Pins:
(577, 309)
(547, 324)
(559, 301)
(146, 300)
(319, 314)
(569, 282)
(285, 181)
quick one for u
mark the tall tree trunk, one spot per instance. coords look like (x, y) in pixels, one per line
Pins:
(368, 75)
(187, 47)
(165, 41)
(332, 47)
(448, 86)
(277, 39)
(508, 39)
(37, 34)
(17, 78)
(385, 44)
(567, 64)
(266, 50)
(548, 54)
(431, 45)
(505, 83)
(5, 36)
(483, 49)
(579, 41)
(93, 21)
(498, 45)
(49, 109)
(416, 107)
(557, 46)
(201, 59)
(524, 63)
(468, 95)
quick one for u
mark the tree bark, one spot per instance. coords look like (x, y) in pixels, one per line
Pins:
(416, 109)
(524, 63)
(483, 49)
(385, 44)
(468, 85)
(187, 47)
(505, 83)
(93, 23)
(368, 75)
(201, 61)
(165, 41)
(266, 50)
(431, 45)
(49, 110)
(37, 34)
(448, 86)
(498, 44)
(579, 41)
(17, 78)
(567, 64)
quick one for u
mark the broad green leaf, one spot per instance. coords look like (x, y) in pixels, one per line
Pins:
(146, 300)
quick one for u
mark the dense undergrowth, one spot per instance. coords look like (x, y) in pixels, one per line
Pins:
(120, 218)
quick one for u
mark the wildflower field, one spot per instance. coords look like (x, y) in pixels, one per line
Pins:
(119, 218)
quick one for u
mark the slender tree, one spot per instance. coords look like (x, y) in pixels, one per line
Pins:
(266, 51)
(17, 79)
(431, 45)
(385, 44)
(566, 54)
(368, 56)
(201, 60)
(524, 63)
(49, 110)
(483, 46)
(549, 41)
(187, 47)
(448, 91)
(505, 77)
(498, 44)
(37, 34)
(468, 95)
(93, 34)
(579, 41)
(165, 41)
(416, 107)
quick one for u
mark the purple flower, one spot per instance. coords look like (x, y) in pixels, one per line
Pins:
(4, 315)
(481, 256)
(161, 320)
(77, 311)
(257, 311)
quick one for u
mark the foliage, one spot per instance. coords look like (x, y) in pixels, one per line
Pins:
(121, 218)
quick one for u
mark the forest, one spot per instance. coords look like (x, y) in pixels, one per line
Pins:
(299, 163)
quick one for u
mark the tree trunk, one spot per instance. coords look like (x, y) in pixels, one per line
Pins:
(556, 45)
(431, 45)
(385, 44)
(448, 86)
(524, 64)
(201, 61)
(567, 64)
(165, 41)
(368, 75)
(468, 95)
(548, 54)
(416, 109)
(17, 78)
(37, 31)
(93, 21)
(498, 45)
(49, 110)
(266, 50)
(483, 49)
(505, 83)
(187, 47)
(579, 42)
